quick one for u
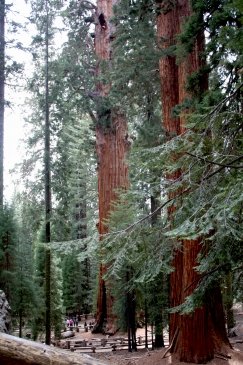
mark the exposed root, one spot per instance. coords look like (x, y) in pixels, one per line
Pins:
(172, 343)
(166, 352)
(222, 356)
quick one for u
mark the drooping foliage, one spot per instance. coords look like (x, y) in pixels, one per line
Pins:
(210, 151)
(73, 167)
(7, 251)
(208, 194)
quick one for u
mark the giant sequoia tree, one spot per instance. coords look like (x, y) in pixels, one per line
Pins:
(195, 337)
(111, 147)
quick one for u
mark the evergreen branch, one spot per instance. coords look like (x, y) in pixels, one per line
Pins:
(238, 268)
(86, 97)
(221, 168)
(216, 163)
(224, 101)
(92, 115)
(202, 276)
(215, 109)
(150, 215)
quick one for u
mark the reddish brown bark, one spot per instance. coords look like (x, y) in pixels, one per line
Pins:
(167, 30)
(195, 337)
(192, 63)
(111, 146)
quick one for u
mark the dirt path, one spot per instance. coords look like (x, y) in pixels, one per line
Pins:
(155, 357)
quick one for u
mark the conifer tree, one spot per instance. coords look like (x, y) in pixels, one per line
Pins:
(73, 166)
(184, 330)
(38, 324)
(2, 99)
(26, 301)
(7, 251)
(57, 312)
(111, 148)
(47, 169)
(179, 165)
(44, 14)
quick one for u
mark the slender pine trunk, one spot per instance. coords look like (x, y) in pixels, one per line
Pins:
(146, 317)
(47, 166)
(2, 97)
(158, 317)
(229, 301)
(20, 323)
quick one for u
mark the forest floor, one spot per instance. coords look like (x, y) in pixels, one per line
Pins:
(156, 357)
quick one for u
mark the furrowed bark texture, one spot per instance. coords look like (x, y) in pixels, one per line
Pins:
(167, 30)
(17, 351)
(195, 337)
(111, 147)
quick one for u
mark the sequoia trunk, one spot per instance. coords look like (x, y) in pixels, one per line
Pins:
(111, 147)
(195, 337)
(167, 30)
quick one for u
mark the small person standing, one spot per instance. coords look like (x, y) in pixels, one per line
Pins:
(76, 321)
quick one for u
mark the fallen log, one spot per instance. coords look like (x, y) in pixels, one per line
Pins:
(67, 334)
(18, 351)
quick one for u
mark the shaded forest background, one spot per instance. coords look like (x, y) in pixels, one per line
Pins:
(62, 250)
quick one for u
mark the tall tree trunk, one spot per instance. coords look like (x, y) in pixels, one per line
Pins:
(146, 316)
(200, 334)
(111, 147)
(167, 30)
(131, 315)
(228, 293)
(2, 79)
(20, 322)
(158, 318)
(195, 337)
(47, 166)
(81, 220)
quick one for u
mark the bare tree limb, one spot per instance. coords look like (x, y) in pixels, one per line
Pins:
(217, 163)
(87, 4)
(222, 168)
